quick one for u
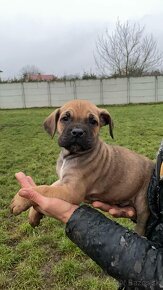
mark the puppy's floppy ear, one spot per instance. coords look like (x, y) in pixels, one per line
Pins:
(50, 123)
(105, 119)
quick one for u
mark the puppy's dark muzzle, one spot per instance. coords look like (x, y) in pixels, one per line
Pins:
(77, 132)
(76, 138)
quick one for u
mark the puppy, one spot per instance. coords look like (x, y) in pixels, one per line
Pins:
(88, 168)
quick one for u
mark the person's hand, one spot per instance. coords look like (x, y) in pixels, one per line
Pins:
(53, 207)
(114, 210)
(61, 209)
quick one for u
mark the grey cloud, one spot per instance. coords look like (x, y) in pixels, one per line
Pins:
(56, 46)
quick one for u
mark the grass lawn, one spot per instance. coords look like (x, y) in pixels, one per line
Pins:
(43, 258)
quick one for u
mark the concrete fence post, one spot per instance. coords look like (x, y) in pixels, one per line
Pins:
(101, 93)
(23, 95)
(128, 90)
(156, 89)
(49, 94)
(0, 95)
(74, 90)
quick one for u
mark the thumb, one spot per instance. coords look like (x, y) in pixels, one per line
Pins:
(101, 205)
(33, 195)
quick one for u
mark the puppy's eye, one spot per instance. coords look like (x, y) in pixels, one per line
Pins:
(93, 121)
(66, 118)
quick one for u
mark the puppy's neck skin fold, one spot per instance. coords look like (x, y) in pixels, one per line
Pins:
(70, 155)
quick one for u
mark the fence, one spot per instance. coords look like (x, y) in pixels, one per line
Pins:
(99, 91)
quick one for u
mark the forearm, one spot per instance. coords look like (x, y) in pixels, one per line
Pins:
(122, 253)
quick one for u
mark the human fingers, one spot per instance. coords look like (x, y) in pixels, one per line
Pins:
(30, 180)
(125, 212)
(114, 210)
(101, 205)
(22, 179)
(34, 196)
(54, 207)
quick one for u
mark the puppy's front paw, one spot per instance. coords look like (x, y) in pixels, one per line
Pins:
(19, 204)
(140, 229)
(34, 217)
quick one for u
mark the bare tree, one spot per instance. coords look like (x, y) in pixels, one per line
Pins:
(29, 70)
(127, 51)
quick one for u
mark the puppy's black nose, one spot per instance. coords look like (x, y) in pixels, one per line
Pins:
(77, 132)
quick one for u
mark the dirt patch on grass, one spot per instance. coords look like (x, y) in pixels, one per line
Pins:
(47, 269)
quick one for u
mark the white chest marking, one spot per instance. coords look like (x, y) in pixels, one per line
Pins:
(62, 168)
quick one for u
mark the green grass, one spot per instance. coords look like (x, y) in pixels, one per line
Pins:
(43, 258)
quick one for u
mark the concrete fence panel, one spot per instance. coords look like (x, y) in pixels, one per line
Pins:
(115, 91)
(98, 91)
(142, 90)
(88, 90)
(35, 94)
(61, 92)
(11, 96)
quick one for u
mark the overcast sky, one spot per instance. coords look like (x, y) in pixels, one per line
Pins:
(58, 36)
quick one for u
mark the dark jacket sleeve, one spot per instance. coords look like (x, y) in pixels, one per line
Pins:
(131, 259)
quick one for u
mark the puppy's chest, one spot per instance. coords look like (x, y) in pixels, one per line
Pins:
(62, 165)
(65, 167)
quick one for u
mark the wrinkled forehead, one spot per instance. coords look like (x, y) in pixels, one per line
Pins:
(79, 109)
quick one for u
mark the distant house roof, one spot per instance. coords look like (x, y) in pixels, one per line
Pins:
(40, 77)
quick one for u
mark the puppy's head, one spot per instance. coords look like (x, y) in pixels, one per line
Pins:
(78, 123)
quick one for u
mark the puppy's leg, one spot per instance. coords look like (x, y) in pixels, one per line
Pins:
(142, 214)
(140, 226)
(68, 192)
(34, 217)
